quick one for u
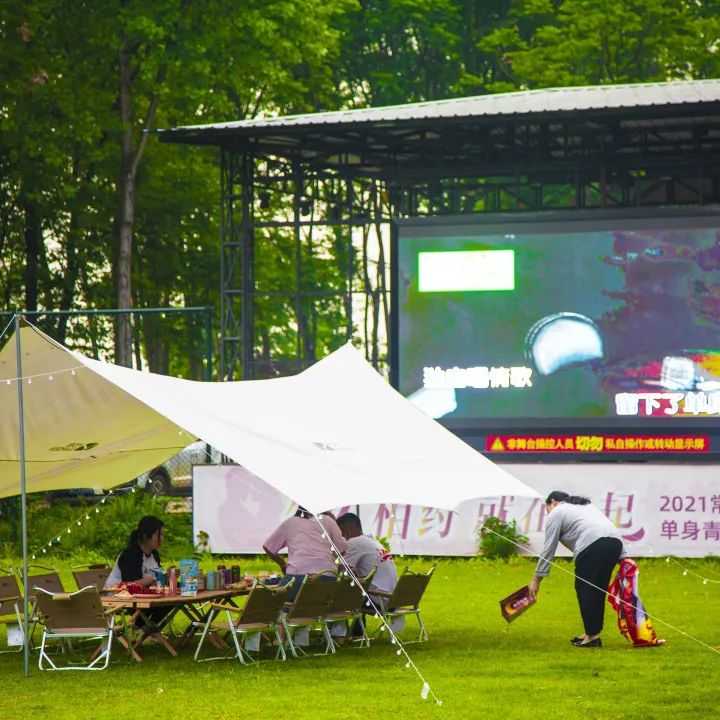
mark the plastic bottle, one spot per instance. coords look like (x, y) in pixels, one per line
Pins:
(173, 581)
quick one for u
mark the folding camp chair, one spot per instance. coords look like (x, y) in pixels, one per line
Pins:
(259, 616)
(309, 611)
(348, 607)
(10, 617)
(50, 582)
(78, 615)
(96, 575)
(405, 599)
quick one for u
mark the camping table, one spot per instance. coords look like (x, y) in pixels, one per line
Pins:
(190, 606)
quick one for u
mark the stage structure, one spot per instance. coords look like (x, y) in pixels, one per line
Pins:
(315, 195)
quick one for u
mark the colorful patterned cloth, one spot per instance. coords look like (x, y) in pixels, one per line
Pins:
(624, 596)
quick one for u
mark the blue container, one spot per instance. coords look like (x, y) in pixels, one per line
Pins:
(211, 580)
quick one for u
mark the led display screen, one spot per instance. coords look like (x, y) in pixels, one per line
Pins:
(607, 319)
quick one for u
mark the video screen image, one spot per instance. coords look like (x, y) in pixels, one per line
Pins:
(564, 321)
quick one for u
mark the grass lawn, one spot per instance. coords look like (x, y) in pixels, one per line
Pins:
(477, 664)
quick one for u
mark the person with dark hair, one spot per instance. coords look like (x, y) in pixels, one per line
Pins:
(138, 560)
(597, 547)
(364, 553)
(308, 552)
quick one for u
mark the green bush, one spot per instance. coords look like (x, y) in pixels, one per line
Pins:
(103, 530)
(498, 539)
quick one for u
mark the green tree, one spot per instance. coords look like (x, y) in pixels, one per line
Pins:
(87, 193)
(578, 42)
(398, 51)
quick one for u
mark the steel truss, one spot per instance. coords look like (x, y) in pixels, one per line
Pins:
(325, 215)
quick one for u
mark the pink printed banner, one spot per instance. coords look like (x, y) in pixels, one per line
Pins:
(661, 510)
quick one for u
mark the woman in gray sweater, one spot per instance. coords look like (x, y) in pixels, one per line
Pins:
(597, 547)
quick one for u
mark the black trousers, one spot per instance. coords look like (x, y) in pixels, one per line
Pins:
(593, 568)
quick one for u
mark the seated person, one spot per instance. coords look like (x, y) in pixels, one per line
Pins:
(364, 553)
(308, 551)
(136, 564)
(138, 560)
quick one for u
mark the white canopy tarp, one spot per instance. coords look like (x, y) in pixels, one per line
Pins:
(336, 434)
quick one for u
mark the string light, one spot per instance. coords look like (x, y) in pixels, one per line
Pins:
(426, 691)
(687, 571)
(79, 522)
(49, 375)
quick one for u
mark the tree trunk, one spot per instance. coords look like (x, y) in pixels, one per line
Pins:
(129, 162)
(70, 277)
(126, 216)
(34, 253)
(123, 268)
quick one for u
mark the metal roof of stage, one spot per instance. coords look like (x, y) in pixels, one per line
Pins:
(663, 118)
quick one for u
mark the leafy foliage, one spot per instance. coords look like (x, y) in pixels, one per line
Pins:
(103, 534)
(498, 539)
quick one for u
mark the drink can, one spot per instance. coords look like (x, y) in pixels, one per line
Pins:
(211, 580)
(236, 574)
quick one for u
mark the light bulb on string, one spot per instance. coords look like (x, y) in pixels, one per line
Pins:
(79, 523)
(685, 572)
(68, 531)
(72, 372)
(50, 377)
(8, 382)
(705, 581)
(398, 652)
(667, 559)
(29, 381)
(44, 551)
(407, 664)
(97, 510)
(87, 517)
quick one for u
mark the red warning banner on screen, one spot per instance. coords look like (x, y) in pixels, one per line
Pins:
(597, 443)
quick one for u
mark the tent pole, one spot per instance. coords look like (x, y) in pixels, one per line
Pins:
(23, 493)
